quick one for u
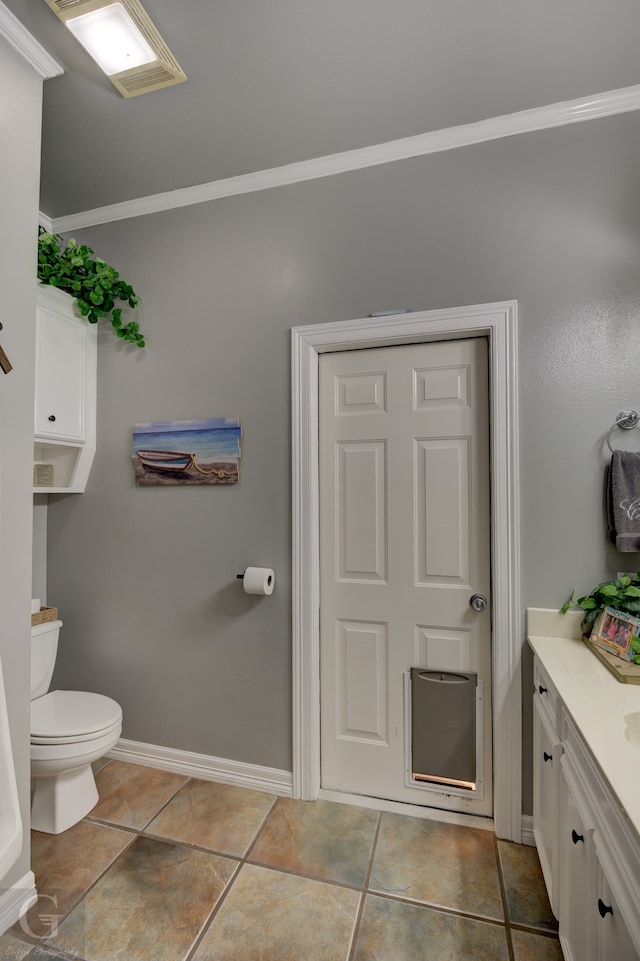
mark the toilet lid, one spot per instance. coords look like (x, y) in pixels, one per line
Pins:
(72, 714)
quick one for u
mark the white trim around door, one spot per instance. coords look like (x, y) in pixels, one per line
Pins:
(497, 322)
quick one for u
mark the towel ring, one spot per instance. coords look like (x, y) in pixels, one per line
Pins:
(627, 420)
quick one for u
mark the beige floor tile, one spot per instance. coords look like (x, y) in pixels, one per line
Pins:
(525, 891)
(271, 915)
(118, 896)
(131, 795)
(43, 953)
(65, 866)
(11, 949)
(218, 817)
(440, 864)
(150, 906)
(535, 947)
(396, 931)
(320, 838)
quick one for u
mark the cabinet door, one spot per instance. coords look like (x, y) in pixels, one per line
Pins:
(576, 876)
(60, 375)
(613, 940)
(546, 768)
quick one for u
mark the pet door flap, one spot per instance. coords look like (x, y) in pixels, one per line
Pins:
(443, 727)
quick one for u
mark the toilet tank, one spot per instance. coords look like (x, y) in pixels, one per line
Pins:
(44, 647)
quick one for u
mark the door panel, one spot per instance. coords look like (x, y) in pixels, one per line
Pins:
(404, 520)
(450, 650)
(362, 681)
(442, 491)
(361, 533)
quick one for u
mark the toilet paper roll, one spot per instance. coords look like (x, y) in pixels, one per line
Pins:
(35, 605)
(258, 580)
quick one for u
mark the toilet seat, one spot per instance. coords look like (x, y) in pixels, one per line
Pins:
(81, 739)
(71, 717)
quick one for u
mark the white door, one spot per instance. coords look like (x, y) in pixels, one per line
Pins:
(404, 544)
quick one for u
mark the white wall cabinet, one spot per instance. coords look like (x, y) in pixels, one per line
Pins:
(589, 852)
(65, 392)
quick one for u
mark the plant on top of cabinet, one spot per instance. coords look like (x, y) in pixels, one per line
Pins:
(623, 594)
(95, 285)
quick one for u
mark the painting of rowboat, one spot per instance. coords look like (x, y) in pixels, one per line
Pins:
(186, 452)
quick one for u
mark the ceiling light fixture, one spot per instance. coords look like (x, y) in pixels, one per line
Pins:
(123, 41)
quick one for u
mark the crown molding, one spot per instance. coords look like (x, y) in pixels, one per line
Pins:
(45, 222)
(561, 114)
(18, 37)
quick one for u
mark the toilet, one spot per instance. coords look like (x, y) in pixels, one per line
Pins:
(69, 731)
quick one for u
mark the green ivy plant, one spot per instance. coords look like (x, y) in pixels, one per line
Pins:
(623, 594)
(95, 285)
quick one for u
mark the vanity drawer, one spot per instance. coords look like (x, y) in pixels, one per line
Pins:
(548, 694)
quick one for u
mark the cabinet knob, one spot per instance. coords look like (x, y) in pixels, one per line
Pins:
(547, 757)
(542, 689)
(52, 417)
(575, 837)
(603, 908)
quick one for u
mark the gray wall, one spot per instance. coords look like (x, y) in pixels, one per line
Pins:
(20, 108)
(145, 578)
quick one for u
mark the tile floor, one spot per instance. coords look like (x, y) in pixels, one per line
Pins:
(167, 868)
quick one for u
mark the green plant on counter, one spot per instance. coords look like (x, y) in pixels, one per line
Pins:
(623, 594)
(95, 285)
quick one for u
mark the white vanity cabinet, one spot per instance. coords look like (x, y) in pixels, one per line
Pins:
(588, 842)
(547, 749)
(65, 394)
(576, 865)
(613, 938)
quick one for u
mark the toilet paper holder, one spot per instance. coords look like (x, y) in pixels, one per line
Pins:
(257, 580)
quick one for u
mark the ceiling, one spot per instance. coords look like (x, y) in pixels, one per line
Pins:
(271, 83)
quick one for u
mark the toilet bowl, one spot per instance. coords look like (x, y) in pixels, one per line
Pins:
(69, 731)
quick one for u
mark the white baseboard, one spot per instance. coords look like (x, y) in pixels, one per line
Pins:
(207, 768)
(16, 900)
(275, 781)
(527, 830)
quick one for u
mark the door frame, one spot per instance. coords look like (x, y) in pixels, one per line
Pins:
(497, 322)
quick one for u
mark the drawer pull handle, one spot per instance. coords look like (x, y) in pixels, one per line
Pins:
(603, 908)
(52, 417)
(547, 757)
(575, 837)
(542, 689)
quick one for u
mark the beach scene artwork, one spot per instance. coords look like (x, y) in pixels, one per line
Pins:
(178, 452)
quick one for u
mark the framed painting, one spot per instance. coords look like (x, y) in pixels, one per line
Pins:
(187, 452)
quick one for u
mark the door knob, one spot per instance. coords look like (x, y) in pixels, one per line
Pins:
(478, 602)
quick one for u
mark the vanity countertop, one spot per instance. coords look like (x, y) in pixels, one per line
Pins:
(606, 712)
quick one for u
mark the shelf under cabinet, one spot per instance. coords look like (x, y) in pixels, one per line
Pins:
(71, 465)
